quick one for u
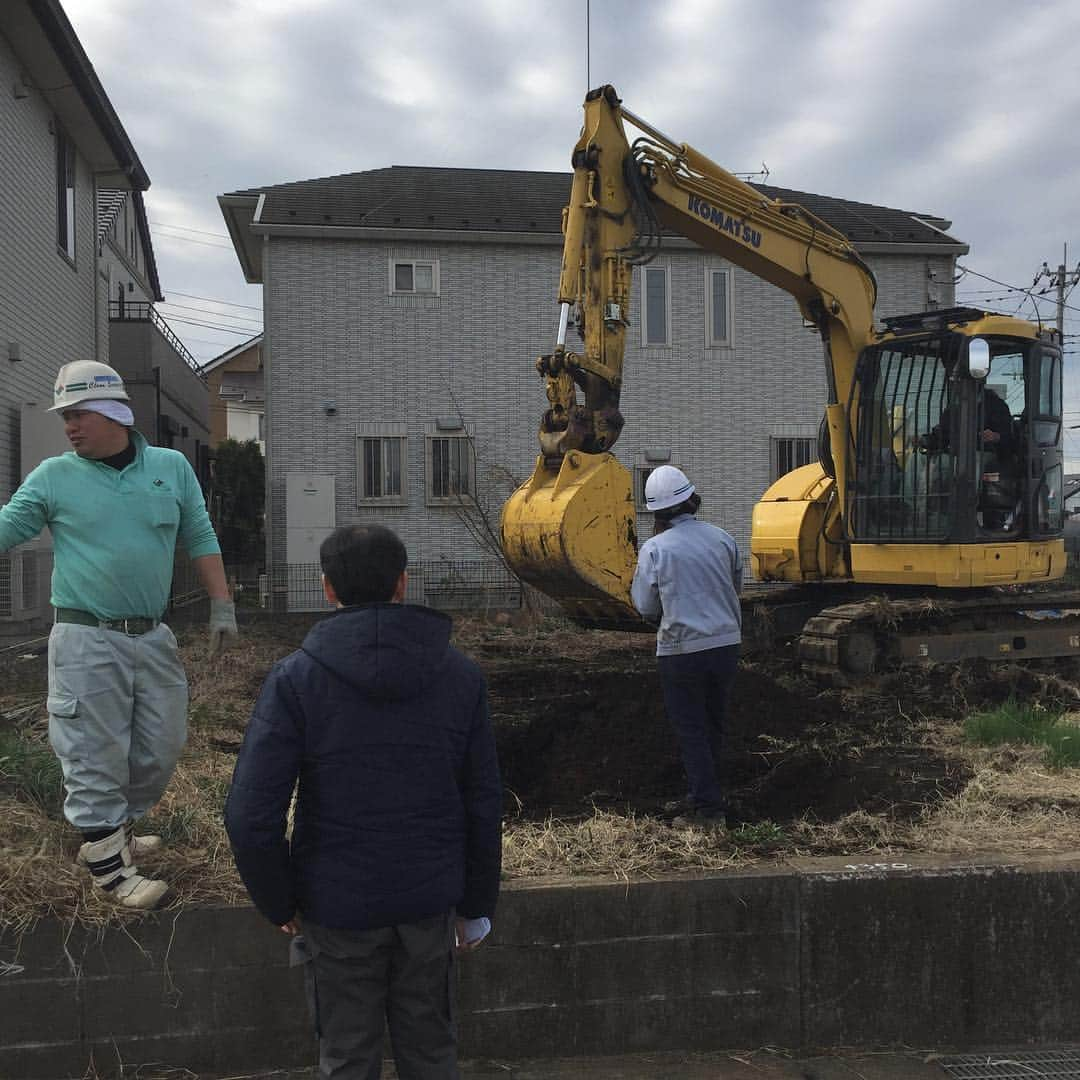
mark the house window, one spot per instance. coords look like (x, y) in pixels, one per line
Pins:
(65, 194)
(380, 462)
(788, 454)
(718, 307)
(451, 469)
(655, 306)
(415, 276)
(641, 475)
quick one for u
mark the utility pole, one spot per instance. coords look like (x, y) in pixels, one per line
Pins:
(1058, 279)
(1061, 292)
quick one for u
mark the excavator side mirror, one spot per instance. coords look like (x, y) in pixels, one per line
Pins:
(978, 358)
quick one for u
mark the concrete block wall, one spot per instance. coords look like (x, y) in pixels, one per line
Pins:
(816, 954)
(333, 334)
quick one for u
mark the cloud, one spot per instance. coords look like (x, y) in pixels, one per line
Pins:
(956, 109)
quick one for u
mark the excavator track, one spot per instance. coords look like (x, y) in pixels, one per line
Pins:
(879, 633)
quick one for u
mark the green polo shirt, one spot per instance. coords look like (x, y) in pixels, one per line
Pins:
(114, 532)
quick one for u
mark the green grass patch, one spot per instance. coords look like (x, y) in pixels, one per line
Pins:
(1063, 746)
(30, 770)
(759, 836)
(1028, 725)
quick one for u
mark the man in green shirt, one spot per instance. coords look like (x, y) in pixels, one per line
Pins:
(117, 691)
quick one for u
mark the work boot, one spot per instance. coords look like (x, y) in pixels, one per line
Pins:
(142, 847)
(110, 864)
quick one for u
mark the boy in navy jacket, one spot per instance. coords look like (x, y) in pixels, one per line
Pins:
(393, 864)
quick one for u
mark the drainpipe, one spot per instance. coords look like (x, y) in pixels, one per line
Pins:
(157, 406)
(97, 271)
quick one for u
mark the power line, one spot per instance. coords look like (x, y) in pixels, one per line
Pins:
(211, 300)
(1006, 285)
(185, 228)
(190, 240)
(211, 326)
(207, 311)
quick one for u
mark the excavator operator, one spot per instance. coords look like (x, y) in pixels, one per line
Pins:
(1000, 466)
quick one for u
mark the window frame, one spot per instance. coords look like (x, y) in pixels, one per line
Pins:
(399, 499)
(66, 174)
(774, 453)
(453, 498)
(712, 342)
(665, 269)
(396, 261)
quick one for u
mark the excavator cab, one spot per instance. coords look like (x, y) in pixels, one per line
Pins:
(957, 435)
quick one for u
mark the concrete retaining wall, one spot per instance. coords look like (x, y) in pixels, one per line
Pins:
(820, 953)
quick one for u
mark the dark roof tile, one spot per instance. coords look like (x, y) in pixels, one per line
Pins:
(498, 200)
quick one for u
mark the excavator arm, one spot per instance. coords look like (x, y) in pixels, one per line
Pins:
(569, 529)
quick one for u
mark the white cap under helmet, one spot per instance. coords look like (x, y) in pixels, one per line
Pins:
(667, 486)
(86, 380)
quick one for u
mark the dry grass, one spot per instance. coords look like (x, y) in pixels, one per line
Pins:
(1013, 805)
(38, 875)
(613, 845)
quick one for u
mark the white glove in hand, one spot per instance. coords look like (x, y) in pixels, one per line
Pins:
(222, 624)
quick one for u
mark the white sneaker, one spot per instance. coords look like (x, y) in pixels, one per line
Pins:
(110, 864)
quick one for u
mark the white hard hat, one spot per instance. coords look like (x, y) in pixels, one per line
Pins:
(86, 380)
(667, 487)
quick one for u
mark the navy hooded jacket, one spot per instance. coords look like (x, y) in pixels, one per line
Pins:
(399, 806)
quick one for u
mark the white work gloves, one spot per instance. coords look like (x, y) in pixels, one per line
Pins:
(222, 625)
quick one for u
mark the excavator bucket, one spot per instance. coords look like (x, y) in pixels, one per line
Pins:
(570, 532)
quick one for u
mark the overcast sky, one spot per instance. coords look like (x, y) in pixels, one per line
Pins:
(966, 109)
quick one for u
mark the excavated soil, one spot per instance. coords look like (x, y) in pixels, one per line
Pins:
(580, 723)
(581, 733)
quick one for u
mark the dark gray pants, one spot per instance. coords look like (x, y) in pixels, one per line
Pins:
(696, 687)
(360, 981)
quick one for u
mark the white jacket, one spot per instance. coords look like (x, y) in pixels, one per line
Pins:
(689, 578)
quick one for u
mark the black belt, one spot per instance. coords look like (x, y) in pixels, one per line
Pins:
(133, 627)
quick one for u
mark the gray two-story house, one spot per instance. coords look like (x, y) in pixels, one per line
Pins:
(404, 309)
(78, 279)
(61, 144)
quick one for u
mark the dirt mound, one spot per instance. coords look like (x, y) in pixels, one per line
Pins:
(577, 735)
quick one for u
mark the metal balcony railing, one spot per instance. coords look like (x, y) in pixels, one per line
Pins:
(141, 311)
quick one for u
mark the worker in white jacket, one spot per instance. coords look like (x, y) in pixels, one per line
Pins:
(688, 578)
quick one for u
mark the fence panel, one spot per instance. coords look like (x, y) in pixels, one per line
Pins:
(445, 584)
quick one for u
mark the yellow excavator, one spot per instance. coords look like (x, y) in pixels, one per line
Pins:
(940, 472)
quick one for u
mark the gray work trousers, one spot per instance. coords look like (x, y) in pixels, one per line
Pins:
(361, 981)
(117, 720)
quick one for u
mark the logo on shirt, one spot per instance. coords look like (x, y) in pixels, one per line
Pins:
(159, 483)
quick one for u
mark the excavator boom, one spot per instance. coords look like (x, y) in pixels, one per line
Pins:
(569, 529)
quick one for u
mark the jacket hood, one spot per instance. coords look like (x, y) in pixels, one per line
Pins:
(384, 650)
